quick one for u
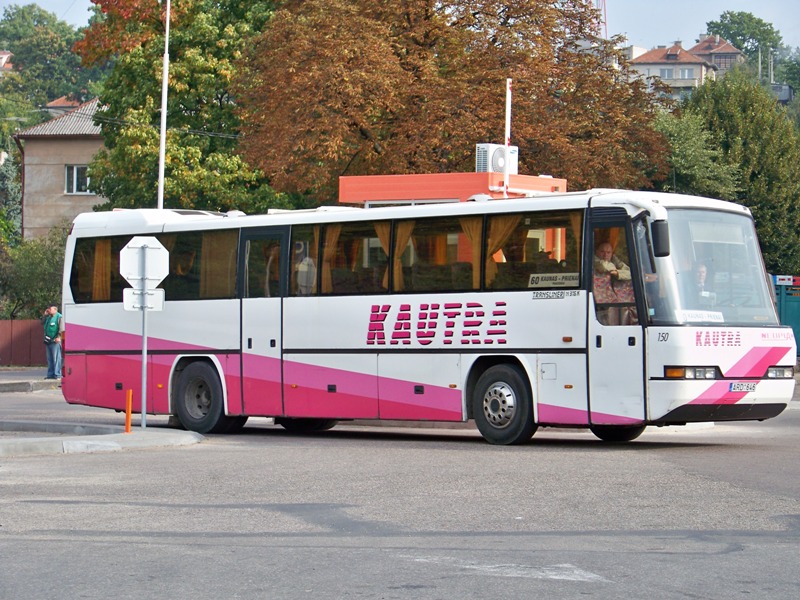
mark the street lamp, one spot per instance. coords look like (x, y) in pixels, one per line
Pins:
(162, 149)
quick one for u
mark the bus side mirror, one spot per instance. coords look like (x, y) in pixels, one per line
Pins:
(660, 231)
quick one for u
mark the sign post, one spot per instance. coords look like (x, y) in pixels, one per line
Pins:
(144, 263)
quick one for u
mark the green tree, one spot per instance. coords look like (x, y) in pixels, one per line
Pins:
(42, 47)
(335, 87)
(755, 134)
(749, 34)
(10, 198)
(746, 32)
(15, 113)
(202, 167)
(16, 110)
(696, 162)
(30, 275)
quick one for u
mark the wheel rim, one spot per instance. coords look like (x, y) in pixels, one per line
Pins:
(499, 405)
(197, 399)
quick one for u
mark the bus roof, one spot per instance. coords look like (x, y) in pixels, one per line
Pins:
(151, 220)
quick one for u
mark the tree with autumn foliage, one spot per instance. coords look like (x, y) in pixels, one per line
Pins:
(202, 167)
(343, 87)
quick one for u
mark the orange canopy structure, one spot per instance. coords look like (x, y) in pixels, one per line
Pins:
(441, 187)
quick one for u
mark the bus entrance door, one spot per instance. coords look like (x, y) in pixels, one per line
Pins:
(616, 338)
(264, 284)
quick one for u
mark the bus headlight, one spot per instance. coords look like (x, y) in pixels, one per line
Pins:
(780, 372)
(690, 372)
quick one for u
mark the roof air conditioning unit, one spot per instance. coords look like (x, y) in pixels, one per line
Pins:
(492, 158)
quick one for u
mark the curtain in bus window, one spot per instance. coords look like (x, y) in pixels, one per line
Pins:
(271, 252)
(218, 264)
(403, 231)
(332, 233)
(81, 278)
(262, 268)
(500, 229)
(577, 224)
(168, 240)
(384, 232)
(473, 230)
(101, 279)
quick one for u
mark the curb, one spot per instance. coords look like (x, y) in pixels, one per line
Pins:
(88, 438)
(29, 386)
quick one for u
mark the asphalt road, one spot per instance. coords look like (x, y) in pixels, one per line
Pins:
(388, 513)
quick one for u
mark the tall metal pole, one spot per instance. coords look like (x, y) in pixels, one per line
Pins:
(603, 29)
(507, 163)
(162, 149)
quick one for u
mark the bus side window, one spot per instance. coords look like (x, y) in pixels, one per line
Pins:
(353, 258)
(183, 282)
(263, 268)
(525, 250)
(442, 255)
(95, 276)
(218, 255)
(305, 250)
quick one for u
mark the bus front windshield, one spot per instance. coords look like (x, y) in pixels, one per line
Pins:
(714, 274)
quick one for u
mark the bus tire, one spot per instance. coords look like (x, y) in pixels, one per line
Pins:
(198, 400)
(502, 406)
(306, 425)
(617, 433)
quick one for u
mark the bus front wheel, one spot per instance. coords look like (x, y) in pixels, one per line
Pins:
(502, 406)
(198, 401)
(617, 433)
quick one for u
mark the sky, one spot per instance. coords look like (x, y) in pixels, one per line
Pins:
(646, 23)
(650, 23)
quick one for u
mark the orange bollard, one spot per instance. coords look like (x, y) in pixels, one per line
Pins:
(128, 409)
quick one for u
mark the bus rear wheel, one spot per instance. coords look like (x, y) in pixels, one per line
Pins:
(502, 406)
(198, 401)
(305, 425)
(617, 433)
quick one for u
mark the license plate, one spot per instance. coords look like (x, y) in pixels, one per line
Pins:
(742, 386)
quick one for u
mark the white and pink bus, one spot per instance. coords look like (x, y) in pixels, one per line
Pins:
(497, 311)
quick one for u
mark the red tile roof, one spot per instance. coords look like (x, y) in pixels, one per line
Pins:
(63, 102)
(713, 44)
(673, 54)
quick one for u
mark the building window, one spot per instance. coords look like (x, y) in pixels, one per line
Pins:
(665, 73)
(77, 180)
(724, 62)
(687, 73)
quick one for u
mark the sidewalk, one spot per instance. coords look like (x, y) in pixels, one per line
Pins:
(28, 438)
(25, 379)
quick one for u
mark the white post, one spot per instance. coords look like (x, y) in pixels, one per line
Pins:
(162, 149)
(143, 300)
(507, 162)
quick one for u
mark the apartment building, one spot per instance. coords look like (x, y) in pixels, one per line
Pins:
(677, 67)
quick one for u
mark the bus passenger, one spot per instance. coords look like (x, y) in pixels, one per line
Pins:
(606, 262)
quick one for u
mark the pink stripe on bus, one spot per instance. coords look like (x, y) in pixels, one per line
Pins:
(719, 393)
(756, 361)
(561, 415)
(81, 338)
